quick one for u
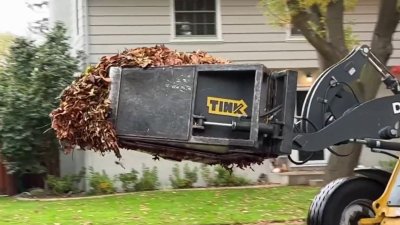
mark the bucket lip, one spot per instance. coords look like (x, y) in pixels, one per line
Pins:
(254, 66)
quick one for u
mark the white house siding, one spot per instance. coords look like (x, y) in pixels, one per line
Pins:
(61, 11)
(115, 25)
(247, 37)
(73, 14)
(80, 27)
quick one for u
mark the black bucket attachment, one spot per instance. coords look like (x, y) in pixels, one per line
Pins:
(207, 113)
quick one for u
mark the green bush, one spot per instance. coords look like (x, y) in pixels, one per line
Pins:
(149, 180)
(222, 177)
(128, 180)
(188, 179)
(388, 165)
(65, 184)
(31, 79)
(207, 175)
(100, 183)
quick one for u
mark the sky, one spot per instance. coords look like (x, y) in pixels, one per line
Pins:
(15, 16)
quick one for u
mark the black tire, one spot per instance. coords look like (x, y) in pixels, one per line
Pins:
(347, 198)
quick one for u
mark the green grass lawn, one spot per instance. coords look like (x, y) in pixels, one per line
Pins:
(227, 206)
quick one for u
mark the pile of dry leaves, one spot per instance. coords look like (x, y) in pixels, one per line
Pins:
(81, 119)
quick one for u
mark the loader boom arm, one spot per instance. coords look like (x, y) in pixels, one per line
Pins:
(333, 114)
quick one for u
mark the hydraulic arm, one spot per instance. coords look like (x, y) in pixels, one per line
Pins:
(334, 113)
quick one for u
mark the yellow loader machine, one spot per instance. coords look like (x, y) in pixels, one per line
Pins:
(243, 114)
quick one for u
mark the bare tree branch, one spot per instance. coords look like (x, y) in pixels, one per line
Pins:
(301, 20)
(316, 17)
(34, 6)
(385, 27)
(40, 26)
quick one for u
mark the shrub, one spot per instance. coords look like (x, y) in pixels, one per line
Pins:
(206, 175)
(149, 180)
(388, 165)
(222, 177)
(65, 184)
(32, 76)
(100, 183)
(128, 180)
(189, 177)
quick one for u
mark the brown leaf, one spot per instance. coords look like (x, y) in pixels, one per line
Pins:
(106, 79)
(81, 119)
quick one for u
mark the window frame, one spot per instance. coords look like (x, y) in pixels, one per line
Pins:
(290, 37)
(296, 154)
(197, 39)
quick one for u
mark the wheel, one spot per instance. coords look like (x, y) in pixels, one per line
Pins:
(344, 202)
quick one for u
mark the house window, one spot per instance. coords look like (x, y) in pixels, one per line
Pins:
(301, 96)
(294, 33)
(195, 18)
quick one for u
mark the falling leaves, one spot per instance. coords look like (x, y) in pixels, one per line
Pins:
(81, 118)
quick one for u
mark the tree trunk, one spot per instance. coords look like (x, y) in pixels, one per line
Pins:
(334, 26)
(367, 86)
